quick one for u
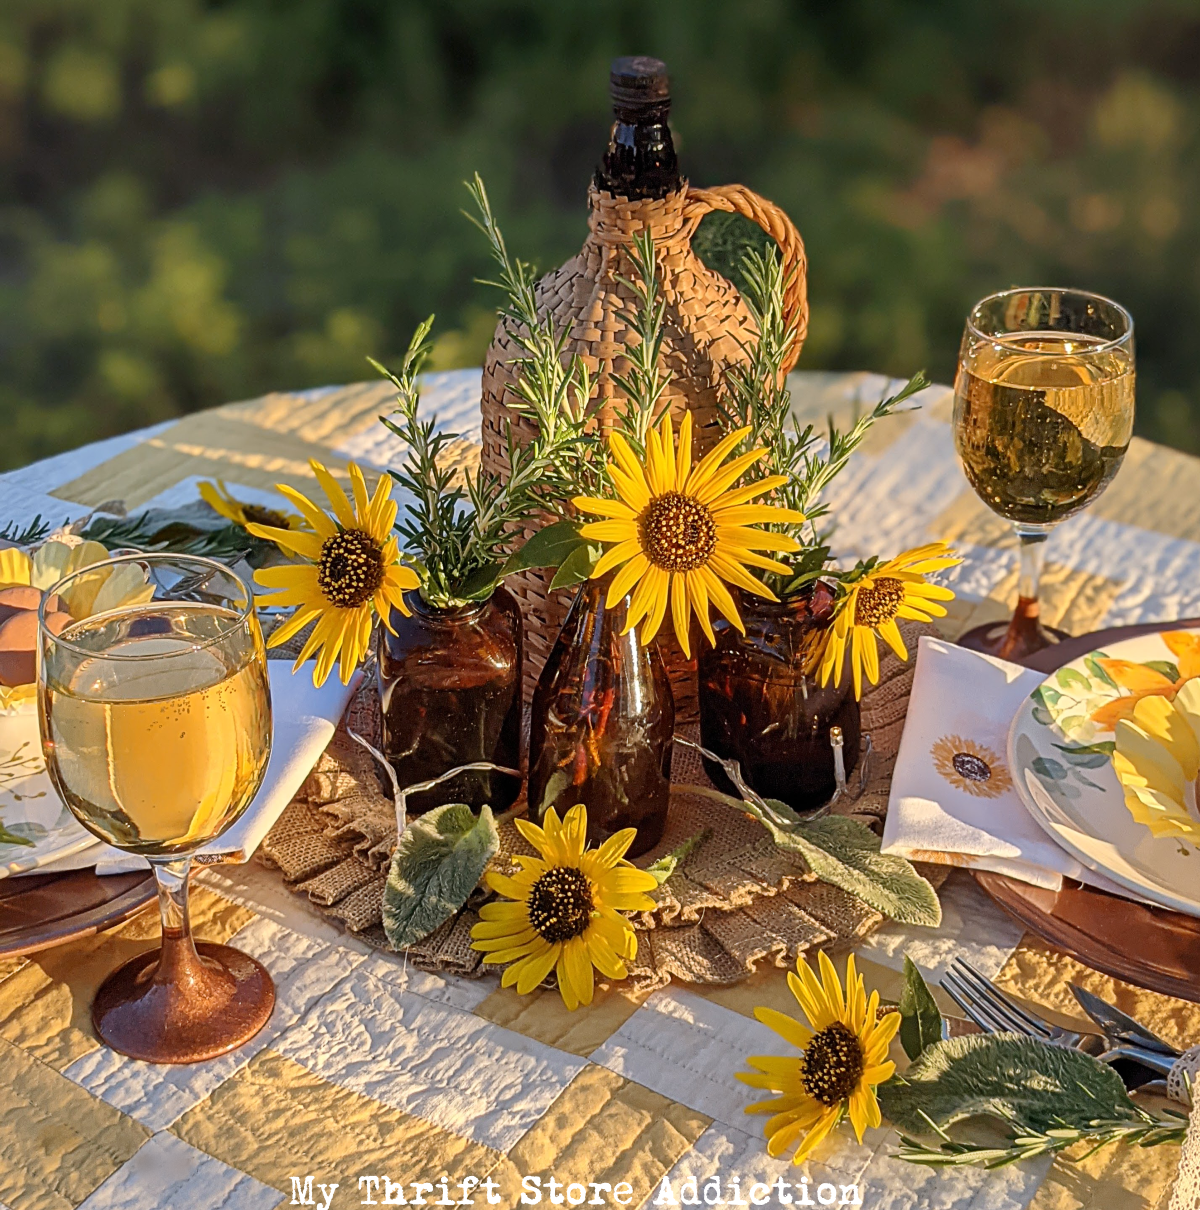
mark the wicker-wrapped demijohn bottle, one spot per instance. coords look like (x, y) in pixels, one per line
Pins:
(637, 188)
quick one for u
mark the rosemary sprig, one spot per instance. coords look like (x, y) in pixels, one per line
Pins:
(458, 530)
(645, 383)
(553, 391)
(27, 535)
(758, 397)
(1144, 1130)
(177, 530)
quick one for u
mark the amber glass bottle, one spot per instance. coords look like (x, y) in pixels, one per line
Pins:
(640, 161)
(602, 724)
(450, 687)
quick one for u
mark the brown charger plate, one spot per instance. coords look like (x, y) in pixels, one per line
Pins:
(40, 910)
(1153, 947)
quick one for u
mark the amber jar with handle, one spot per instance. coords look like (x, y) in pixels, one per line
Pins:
(707, 327)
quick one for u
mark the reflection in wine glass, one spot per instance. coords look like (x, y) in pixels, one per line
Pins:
(1043, 414)
(156, 727)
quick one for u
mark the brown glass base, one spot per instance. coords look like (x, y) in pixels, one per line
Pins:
(170, 1006)
(1015, 640)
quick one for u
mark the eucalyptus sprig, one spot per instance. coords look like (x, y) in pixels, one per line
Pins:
(758, 397)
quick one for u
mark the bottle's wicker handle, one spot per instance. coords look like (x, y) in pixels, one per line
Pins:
(740, 200)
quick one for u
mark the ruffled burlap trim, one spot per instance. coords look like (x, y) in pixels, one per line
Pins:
(734, 903)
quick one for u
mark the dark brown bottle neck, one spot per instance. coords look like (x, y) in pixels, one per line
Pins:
(640, 161)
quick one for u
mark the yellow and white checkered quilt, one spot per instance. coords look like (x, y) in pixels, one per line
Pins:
(370, 1068)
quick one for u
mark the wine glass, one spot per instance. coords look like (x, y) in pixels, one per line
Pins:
(1043, 414)
(155, 712)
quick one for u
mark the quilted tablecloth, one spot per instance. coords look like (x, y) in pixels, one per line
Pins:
(373, 1076)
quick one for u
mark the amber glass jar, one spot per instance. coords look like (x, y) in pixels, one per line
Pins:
(602, 724)
(450, 688)
(758, 707)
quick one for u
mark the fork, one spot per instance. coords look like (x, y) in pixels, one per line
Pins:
(994, 1012)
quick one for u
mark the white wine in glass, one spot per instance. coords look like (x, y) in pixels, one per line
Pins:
(156, 726)
(1043, 415)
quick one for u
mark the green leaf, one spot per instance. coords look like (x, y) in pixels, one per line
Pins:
(549, 547)
(1042, 715)
(920, 1019)
(480, 584)
(1046, 696)
(846, 853)
(1105, 747)
(1169, 670)
(556, 783)
(1096, 669)
(438, 862)
(664, 867)
(7, 837)
(577, 566)
(1069, 678)
(1083, 759)
(1024, 1083)
(1044, 766)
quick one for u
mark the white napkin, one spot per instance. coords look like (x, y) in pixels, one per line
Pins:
(304, 719)
(962, 704)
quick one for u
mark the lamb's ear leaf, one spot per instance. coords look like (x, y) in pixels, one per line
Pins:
(1022, 1082)
(438, 862)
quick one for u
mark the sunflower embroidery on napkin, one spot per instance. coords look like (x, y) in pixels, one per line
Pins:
(970, 767)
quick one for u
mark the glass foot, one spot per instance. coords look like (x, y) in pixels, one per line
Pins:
(1016, 639)
(176, 1006)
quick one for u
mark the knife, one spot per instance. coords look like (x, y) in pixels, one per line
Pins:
(1119, 1026)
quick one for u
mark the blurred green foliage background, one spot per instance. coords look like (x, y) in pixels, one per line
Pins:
(202, 200)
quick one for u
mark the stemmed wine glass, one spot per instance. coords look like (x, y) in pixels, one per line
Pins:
(156, 726)
(1043, 414)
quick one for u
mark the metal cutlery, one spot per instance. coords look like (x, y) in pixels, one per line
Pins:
(994, 1012)
(1120, 1027)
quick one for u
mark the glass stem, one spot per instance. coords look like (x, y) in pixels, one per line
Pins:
(1033, 554)
(179, 961)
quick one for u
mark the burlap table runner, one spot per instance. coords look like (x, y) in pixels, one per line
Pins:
(736, 901)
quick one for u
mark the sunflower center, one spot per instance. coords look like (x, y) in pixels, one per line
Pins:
(560, 904)
(678, 533)
(350, 568)
(878, 603)
(972, 767)
(833, 1064)
(256, 514)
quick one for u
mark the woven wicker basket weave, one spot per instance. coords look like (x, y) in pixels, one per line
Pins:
(705, 328)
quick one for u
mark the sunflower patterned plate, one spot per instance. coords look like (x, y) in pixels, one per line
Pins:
(1061, 750)
(35, 827)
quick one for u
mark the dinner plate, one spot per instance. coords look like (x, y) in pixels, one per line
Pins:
(35, 827)
(1059, 750)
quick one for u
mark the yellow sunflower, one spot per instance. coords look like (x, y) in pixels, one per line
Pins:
(895, 589)
(682, 532)
(843, 1060)
(218, 497)
(566, 914)
(351, 571)
(1157, 761)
